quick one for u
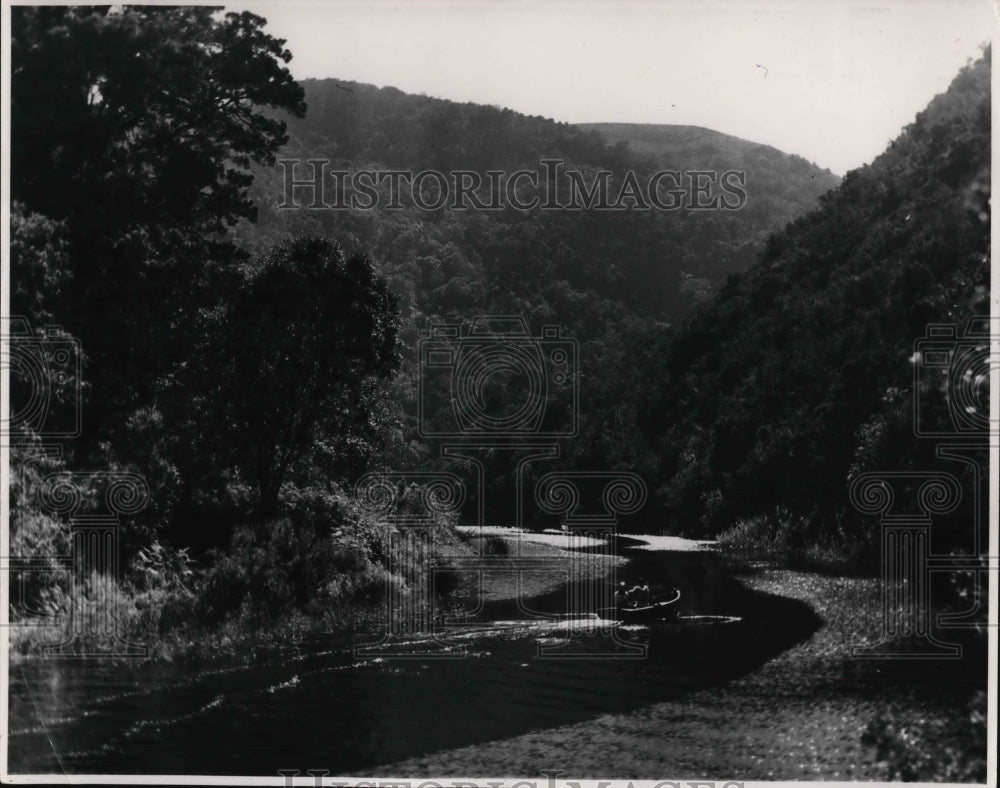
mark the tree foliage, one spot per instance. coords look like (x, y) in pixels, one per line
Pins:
(305, 346)
(143, 115)
(800, 374)
(613, 280)
(134, 128)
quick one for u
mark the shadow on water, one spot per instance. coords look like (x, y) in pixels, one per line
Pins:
(327, 710)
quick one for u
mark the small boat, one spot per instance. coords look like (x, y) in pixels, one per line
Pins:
(663, 607)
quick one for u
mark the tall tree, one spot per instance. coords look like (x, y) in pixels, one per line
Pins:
(143, 115)
(305, 347)
(135, 127)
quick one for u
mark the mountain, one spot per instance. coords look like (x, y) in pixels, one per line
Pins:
(614, 280)
(787, 182)
(800, 375)
(643, 260)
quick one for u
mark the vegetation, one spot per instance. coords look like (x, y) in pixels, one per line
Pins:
(800, 375)
(780, 184)
(252, 363)
(134, 133)
(615, 281)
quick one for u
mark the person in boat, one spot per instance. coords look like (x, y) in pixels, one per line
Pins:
(638, 596)
(621, 595)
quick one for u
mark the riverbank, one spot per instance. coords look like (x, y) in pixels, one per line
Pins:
(776, 698)
(247, 639)
(808, 713)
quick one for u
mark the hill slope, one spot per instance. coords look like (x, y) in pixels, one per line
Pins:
(786, 180)
(652, 253)
(799, 376)
(614, 280)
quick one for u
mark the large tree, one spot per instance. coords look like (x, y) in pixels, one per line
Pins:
(300, 360)
(143, 115)
(135, 128)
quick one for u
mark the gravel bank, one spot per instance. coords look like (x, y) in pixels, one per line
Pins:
(799, 716)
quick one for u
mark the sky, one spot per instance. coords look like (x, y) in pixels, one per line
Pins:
(831, 80)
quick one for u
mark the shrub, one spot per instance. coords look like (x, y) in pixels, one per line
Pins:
(752, 535)
(273, 568)
(946, 749)
(495, 545)
(161, 582)
(81, 619)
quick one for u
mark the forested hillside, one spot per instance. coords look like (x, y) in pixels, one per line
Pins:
(800, 375)
(614, 280)
(639, 259)
(783, 182)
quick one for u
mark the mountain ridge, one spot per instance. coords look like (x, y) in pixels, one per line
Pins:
(648, 133)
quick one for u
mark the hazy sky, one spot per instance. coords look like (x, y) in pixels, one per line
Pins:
(842, 76)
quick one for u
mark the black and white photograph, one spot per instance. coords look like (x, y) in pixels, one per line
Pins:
(499, 394)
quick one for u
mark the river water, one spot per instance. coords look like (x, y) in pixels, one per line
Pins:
(325, 707)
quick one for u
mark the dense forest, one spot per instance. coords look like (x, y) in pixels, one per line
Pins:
(800, 375)
(252, 363)
(615, 281)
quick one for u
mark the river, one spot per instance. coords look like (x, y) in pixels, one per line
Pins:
(324, 707)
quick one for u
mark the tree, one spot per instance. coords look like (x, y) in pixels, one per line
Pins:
(306, 346)
(143, 115)
(135, 128)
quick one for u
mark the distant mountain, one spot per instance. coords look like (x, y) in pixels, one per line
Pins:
(785, 180)
(800, 375)
(664, 142)
(653, 262)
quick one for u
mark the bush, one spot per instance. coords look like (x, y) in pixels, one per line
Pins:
(316, 508)
(274, 568)
(798, 541)
(495, 545)
(80, 620)
(948, 749)
(161, 582)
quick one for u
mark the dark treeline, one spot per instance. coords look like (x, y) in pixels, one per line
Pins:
(244, 388)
